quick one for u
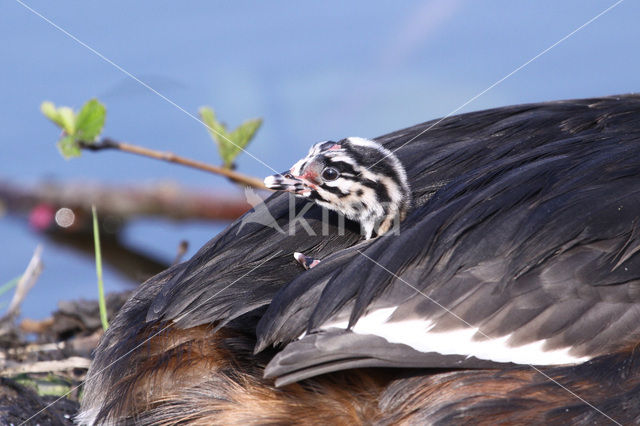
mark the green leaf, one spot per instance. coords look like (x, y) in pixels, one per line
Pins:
(63, 116)
(241, 137)
(217, 130)
(69, 147)
(49, 111)
(214, 127)
(229, 144)
(90, 121)
(68, 118)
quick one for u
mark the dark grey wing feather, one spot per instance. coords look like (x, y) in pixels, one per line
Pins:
(536, 244)
(444, 153)
(241, 269)
(338, 350)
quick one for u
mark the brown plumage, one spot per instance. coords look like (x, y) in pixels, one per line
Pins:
(204, 377)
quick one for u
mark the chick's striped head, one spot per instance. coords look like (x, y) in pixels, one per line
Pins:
(356, 177)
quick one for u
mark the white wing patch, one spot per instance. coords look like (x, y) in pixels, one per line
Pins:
(417, 334)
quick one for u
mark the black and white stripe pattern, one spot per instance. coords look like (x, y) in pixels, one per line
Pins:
(371, 187)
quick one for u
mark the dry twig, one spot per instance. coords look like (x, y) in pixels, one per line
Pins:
(14, 368)
(26, 282)
(170, 157)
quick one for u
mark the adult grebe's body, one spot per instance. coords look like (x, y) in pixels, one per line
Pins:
(509, 293)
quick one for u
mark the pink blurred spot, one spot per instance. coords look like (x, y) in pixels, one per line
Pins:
(41, 217)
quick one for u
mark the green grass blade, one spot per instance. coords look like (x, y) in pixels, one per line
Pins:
(96, 242)
(9, 285)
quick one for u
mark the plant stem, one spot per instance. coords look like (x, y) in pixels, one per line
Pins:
(9, 285)
(96, 242)
(170, 157)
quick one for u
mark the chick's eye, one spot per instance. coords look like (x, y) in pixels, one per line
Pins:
(330, 174)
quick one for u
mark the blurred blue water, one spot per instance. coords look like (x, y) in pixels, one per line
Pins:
(312, 70)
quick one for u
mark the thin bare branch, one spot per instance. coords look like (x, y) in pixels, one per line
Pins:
(170, 157)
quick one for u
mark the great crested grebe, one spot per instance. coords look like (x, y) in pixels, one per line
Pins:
(508, 291)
